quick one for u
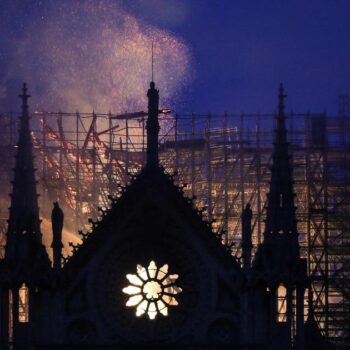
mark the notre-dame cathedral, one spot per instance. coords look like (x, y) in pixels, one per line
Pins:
(151, 273)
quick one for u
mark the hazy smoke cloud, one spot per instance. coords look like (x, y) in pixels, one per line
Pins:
(86, 54)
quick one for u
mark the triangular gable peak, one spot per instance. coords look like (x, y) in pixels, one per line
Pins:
(154, 205)
(152, 257)
(153, 229)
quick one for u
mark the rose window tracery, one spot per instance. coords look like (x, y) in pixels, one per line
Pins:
(152, 290)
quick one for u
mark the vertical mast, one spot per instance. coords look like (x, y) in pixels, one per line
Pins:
(152, 126)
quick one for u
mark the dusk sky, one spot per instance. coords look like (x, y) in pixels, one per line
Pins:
(210, 56)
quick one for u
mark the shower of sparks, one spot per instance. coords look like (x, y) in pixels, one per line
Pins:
(86, 55)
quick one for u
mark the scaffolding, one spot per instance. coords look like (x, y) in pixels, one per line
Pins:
(223, 162)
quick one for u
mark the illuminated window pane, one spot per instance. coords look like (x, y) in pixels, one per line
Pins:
(152, 290)
(281, 303)
(23, 304)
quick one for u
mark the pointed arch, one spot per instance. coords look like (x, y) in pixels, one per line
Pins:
(281, 303)
(23, 304)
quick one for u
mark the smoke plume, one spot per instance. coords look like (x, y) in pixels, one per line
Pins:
(84, 55)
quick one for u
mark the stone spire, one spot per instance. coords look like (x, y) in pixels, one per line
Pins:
(152, 126)
(277, 261)
(24, 210)
(281, 223)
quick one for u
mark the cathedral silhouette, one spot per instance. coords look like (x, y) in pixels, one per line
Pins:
(152, 274)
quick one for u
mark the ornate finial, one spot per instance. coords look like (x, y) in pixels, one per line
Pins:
(24, 97)
(152, 126)
(281, 98)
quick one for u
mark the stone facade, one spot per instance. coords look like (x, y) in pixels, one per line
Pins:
(152, 274)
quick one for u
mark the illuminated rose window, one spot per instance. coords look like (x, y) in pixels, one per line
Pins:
(152, 290)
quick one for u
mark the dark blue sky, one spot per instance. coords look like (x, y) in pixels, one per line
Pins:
(243, 49)
(240, 50)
